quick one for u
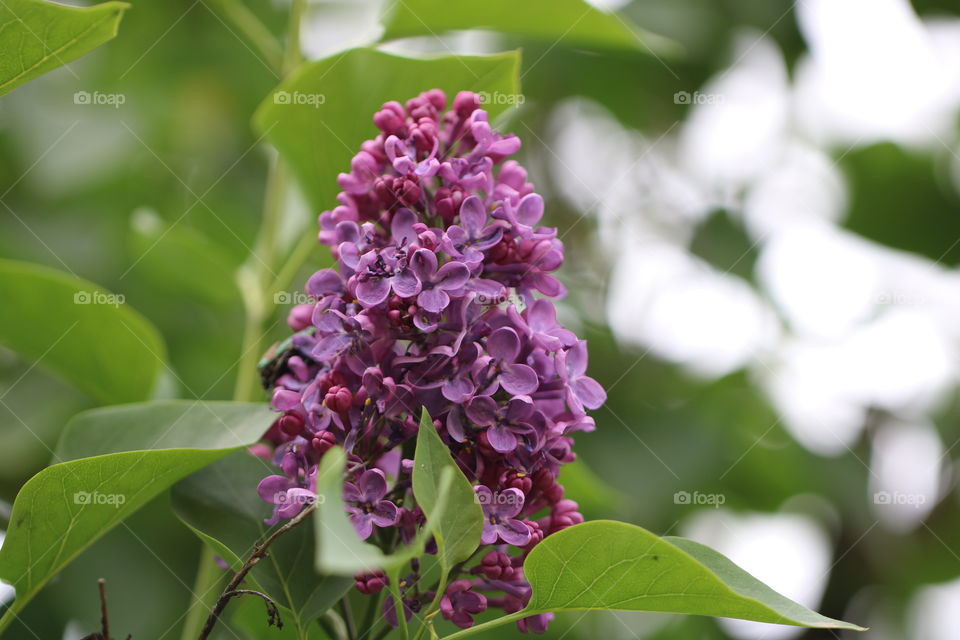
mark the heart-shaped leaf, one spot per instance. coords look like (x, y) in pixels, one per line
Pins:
(66, 507)
(38, 36)
(616, 566)
(457, 527)
(220, 504)
(319, 116)
(81, 331)
(571, 22)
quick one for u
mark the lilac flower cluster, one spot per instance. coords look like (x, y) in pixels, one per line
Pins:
(439, 300)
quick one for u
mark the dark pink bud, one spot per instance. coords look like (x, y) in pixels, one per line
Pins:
(518, 480)
(390, 119)
(536, 535)
(291, 424)
(370, 583)
(496, 565)
(466, 103)
(338, 399)
(323, 441)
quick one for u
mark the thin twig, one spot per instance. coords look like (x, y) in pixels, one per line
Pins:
(259, 552)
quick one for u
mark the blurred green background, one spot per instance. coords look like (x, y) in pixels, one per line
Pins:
(762, 234)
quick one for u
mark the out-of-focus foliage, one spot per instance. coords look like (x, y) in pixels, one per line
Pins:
(157, 198)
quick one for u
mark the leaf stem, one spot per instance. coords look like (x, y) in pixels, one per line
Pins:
(247, 22)
(489, 624)
(394, 577)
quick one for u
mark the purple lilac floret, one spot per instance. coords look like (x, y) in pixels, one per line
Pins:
(440, 299)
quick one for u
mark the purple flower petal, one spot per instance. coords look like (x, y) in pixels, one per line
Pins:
(424, 264)
(433, 300)
(509, 503)
(458, 389)
(473, 215)
(372, 485)
(455, 426)
(504, 344)
(530, 209)
(324, 282)
(373, 290)
(362, 523)
(514, 532)
(542, 316)
(519, 379)
(406, 284)
(576, 359)
(482, 410)
(401, 227)
(452, 275)
(501, 438)
(271, 487)
(589, 392)
(384, 513)
(351, 493)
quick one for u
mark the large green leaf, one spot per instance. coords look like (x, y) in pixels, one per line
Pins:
(81, 331)
(340, 551)
(456, 527)
(571, 22)
(616, 566)
(319, 117)
(66, 507)
(37, 36)
(220, 504)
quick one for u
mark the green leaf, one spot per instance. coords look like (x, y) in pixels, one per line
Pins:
(81, 331)
(616, 566)
(66, 507)
(220, 504)
(458, 526)
(38, 36)
(319, 117)
(340, 551)
(181, 260)
(570, 22)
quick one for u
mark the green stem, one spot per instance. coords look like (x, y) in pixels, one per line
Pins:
(394, 577)
(489, 624)
(294, 54)
(247, 22)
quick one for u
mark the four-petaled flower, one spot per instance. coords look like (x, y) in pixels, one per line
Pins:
(472, 236)
(434, 283)
(503, 365)
(499, 511)
(366, 504)
(505, 423)
(460, 603)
